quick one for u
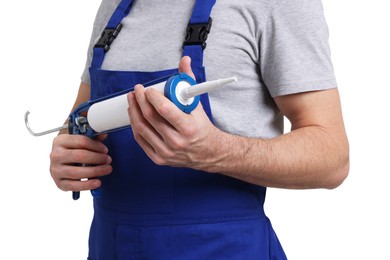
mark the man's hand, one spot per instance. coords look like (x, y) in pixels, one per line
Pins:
(315, 154)
(69, 152)
(167, 135)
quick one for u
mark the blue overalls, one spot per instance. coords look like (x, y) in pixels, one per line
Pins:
(148, 211)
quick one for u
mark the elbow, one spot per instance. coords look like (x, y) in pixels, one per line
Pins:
(338, 176)
(340, 172)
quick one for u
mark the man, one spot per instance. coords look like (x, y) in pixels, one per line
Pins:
(192, 186)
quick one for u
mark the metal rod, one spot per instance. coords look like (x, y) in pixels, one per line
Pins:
(44, 132)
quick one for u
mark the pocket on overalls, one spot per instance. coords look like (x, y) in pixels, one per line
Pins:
(235, 240)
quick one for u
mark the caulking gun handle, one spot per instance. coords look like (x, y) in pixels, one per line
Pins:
(96, 193)
(72, 130)
(75, 195)
(75, 128)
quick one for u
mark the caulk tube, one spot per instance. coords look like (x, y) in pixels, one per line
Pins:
(181, 89)
(111, 114)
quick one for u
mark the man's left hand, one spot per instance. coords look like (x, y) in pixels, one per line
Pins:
(168, 135)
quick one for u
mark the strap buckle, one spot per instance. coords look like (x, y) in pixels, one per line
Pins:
(197, 33)
(107, 37)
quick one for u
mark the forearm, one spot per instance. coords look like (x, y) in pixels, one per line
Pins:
(313, 155)
(308, 157)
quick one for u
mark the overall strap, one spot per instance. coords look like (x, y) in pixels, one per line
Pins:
(198, 28)
(195, 42)
(109, 34)
(120, 12)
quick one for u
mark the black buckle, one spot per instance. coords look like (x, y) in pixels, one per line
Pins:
(197, 33)
(107, 37)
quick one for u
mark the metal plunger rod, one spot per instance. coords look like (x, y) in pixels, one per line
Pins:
(44, 132)
(186, 93)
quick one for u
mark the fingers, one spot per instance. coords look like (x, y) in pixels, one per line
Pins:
(77, 149)
(80, 142)
(71, 185)
(72, 180)
(69, 153)
(166, 110)
(159, 127)
(185, 66)
(145, 122)
(78, 156)
(78, 178)
(101, 137)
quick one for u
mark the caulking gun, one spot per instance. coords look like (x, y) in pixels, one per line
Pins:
(108, 114)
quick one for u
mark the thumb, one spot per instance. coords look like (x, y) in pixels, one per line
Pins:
(185, 66)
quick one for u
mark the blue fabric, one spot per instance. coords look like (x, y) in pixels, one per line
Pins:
(148, 211)
(201, 11)
(196, 54)
(223, 240)
(121, 11)
(98, 57)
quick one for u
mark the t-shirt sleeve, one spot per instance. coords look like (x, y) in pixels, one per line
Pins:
(294, 49)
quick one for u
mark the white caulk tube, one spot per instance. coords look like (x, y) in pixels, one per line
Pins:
(181, 89)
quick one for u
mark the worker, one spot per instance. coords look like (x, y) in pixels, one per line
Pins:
(192, 186)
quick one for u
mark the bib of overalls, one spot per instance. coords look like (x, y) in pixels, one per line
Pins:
(142, 202)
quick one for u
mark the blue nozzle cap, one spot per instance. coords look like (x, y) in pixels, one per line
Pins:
(170, 92)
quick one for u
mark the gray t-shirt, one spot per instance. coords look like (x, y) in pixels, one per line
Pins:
(273, 47)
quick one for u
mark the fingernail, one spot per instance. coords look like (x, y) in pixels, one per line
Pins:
(138, 86)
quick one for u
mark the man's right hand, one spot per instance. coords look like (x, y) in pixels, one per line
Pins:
(69, 153)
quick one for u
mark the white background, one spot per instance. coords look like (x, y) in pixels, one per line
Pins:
(43, 50)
